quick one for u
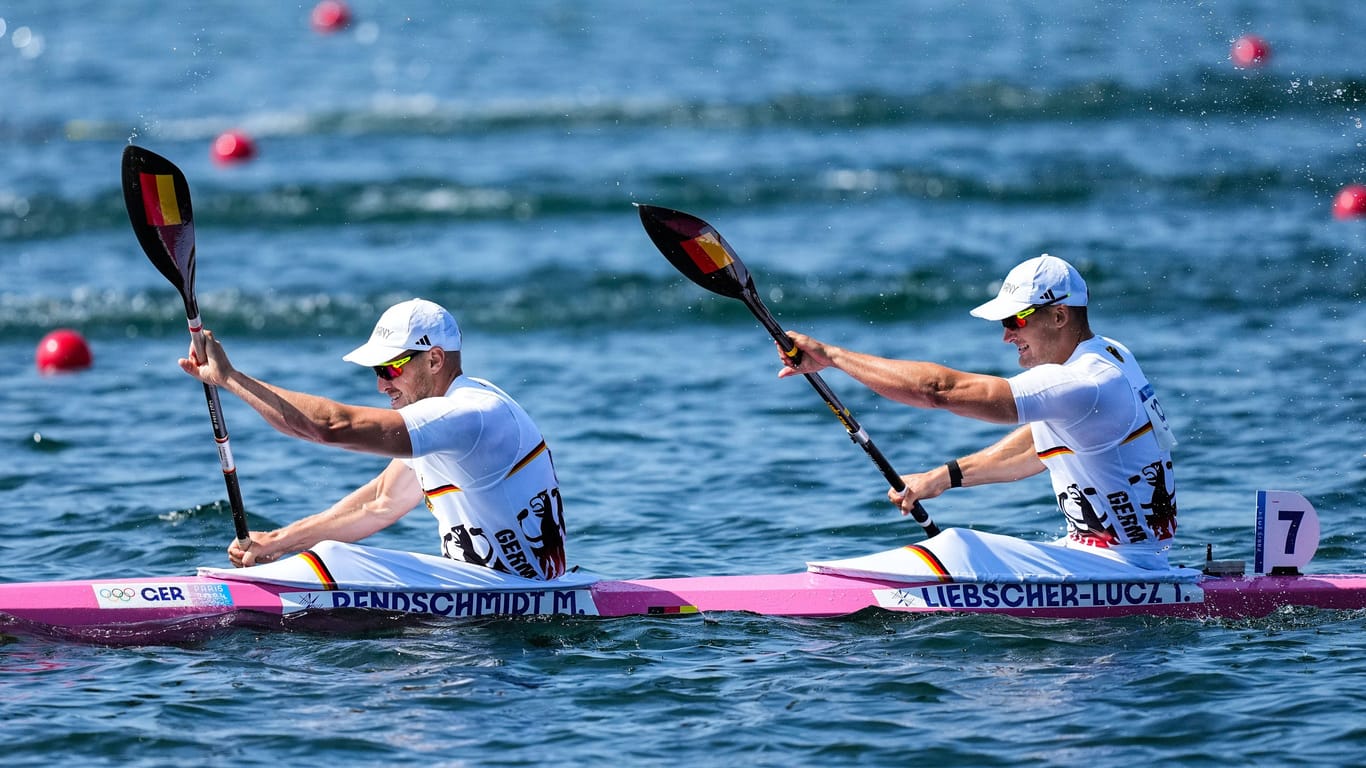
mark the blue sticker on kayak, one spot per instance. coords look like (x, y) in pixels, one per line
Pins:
(161, 595)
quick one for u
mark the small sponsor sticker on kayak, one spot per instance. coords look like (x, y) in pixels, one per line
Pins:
(1014, 597)
(169, 594)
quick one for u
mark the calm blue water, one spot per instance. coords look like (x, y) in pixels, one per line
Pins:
(878, 166)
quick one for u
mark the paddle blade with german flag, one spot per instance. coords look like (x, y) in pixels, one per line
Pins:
(697, 250)
(158, 200)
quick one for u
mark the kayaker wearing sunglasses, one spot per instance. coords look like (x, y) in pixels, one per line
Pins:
(1087, 414)
(457, 443)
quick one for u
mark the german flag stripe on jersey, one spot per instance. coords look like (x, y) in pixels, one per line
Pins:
(1063, 450)
(159, 199)
(707, 253)
(442, 491)
(1140, 432)
(319, 569)
(930, 560)
(527, 459)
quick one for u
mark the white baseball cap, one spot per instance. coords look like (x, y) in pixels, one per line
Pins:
(1041, 280)
(415, 324)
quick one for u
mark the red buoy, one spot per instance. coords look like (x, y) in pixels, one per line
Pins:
(1250, 51)
(1350, 202)
(232, 147)
(63, 351)
(331, 16)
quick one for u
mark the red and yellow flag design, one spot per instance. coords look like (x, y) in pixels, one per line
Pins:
(527, 459)
(707, 252)
(668, 610)
(159, 199)
(319, 569)
(930, 560)
(442, 491)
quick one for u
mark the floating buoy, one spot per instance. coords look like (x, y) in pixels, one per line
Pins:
(1350, 202)
(1250, 51)
(331, 16)
(63, 351)
(232, 147)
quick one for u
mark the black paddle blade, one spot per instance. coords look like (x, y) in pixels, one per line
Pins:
(697, 250)
(158, 200)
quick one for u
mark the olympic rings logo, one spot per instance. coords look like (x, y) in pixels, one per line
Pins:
(122, 594)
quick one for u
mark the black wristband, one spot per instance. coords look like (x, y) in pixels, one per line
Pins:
(955, 474)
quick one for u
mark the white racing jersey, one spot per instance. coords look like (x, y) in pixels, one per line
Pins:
(488, 479)
(1099, 430)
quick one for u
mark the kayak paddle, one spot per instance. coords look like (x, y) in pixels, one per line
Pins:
(697, 250)
(158, 200)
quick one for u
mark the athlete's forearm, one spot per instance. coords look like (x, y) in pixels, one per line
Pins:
(297, 414)
(365, 511)
(1011, 458)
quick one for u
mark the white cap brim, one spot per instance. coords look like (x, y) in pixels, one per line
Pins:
(371, 354)
(1000, 308)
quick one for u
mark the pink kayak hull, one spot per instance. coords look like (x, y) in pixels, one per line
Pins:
(160, 607)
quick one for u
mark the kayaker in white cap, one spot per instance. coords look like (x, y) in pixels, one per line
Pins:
(1087, 414)
(458, 443)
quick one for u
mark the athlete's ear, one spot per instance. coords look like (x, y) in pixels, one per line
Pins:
(442, 360)
(436, 359)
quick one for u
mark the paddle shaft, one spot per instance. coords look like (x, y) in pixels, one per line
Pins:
(851, 425)
(220, 434)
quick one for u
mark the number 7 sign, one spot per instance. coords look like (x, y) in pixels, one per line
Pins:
(1287, 533)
